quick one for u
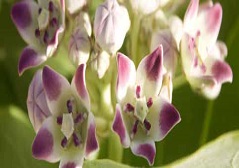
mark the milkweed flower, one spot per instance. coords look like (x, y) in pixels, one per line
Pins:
(143, 115)
(145, 6)
(202, 55)
(41, 26)
(68, 134)
(111, 25)
(73, 6)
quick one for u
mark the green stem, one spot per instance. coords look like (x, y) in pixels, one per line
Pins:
(135, 28)
(206, 124)
(115, 149)
(179, 81)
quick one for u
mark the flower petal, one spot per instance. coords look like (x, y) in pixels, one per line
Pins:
(120, 128)
(150, 73)
(37, 106)
(72, 159)
(46, 145)
(78, 84)
(30, 58)
(165, 38)
(126, 75)
(209, 22)
(24, 15)
(91, 141)
(163, 116)
(74, 6)
(191, 14)
(145, 149)
(57, 90)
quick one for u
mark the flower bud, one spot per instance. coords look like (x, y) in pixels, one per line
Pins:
(100, 63)
(145, 6)
(111, 25)
(74, 6)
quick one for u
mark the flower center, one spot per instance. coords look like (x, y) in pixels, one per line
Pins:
(195, 48)
(71, 123)
(139, 111)
(48, 23)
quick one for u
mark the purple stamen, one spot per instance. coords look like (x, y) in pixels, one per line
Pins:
(150, 102)
(37, 33)
(78, 118)
(69, 106)
(46, 37)
(129, 107)
(76, 140)
(51, 6)
(147, 125)
(138, 90)
(54, 22)
(39, 11)
(59, 120)
(64, 142)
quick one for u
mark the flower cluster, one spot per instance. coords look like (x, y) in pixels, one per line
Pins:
(67, 118)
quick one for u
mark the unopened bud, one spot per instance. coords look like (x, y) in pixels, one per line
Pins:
(74, 6)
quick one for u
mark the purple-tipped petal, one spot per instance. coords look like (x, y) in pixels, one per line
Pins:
(126, 75)
(163, 117)
(146, 150)
(222, 72)
(29, 58)
(91, 141)
(37, 106)
(191, 13)
(24, 15)
(79, 84)
(150, 73)
(120, 128)
(46, 145)
(57, 90)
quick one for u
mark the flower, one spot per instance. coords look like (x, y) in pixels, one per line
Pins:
(41, 26)
(79, 44)
(74, 6)
(202, 55)
(69, 134)
(142, 114)
(144, 6)
(111, 25)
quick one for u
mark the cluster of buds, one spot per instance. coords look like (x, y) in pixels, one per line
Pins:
(61, 113)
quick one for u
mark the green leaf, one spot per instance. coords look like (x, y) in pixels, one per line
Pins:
(16, 139)
(222, 152)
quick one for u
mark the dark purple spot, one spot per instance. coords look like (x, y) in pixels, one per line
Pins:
(69, 165)
(150, 102)
(46, 37)
(54, 22)
(76, 140)
(21, 15)
(64, 142)
(39, 11)
(37, 33)
(154, 64)
(147, 125)
(51, 6)
(168, 117)
(91, 143)
(129, 107)
(59, 120)
(138, 90)
(148, 151)
(69, 105)
(43, 144)
(222, 72)
(78, 118)
(51, 83)
(118, 126)
(135, 127)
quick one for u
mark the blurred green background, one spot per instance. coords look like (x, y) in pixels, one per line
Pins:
(16, 133)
